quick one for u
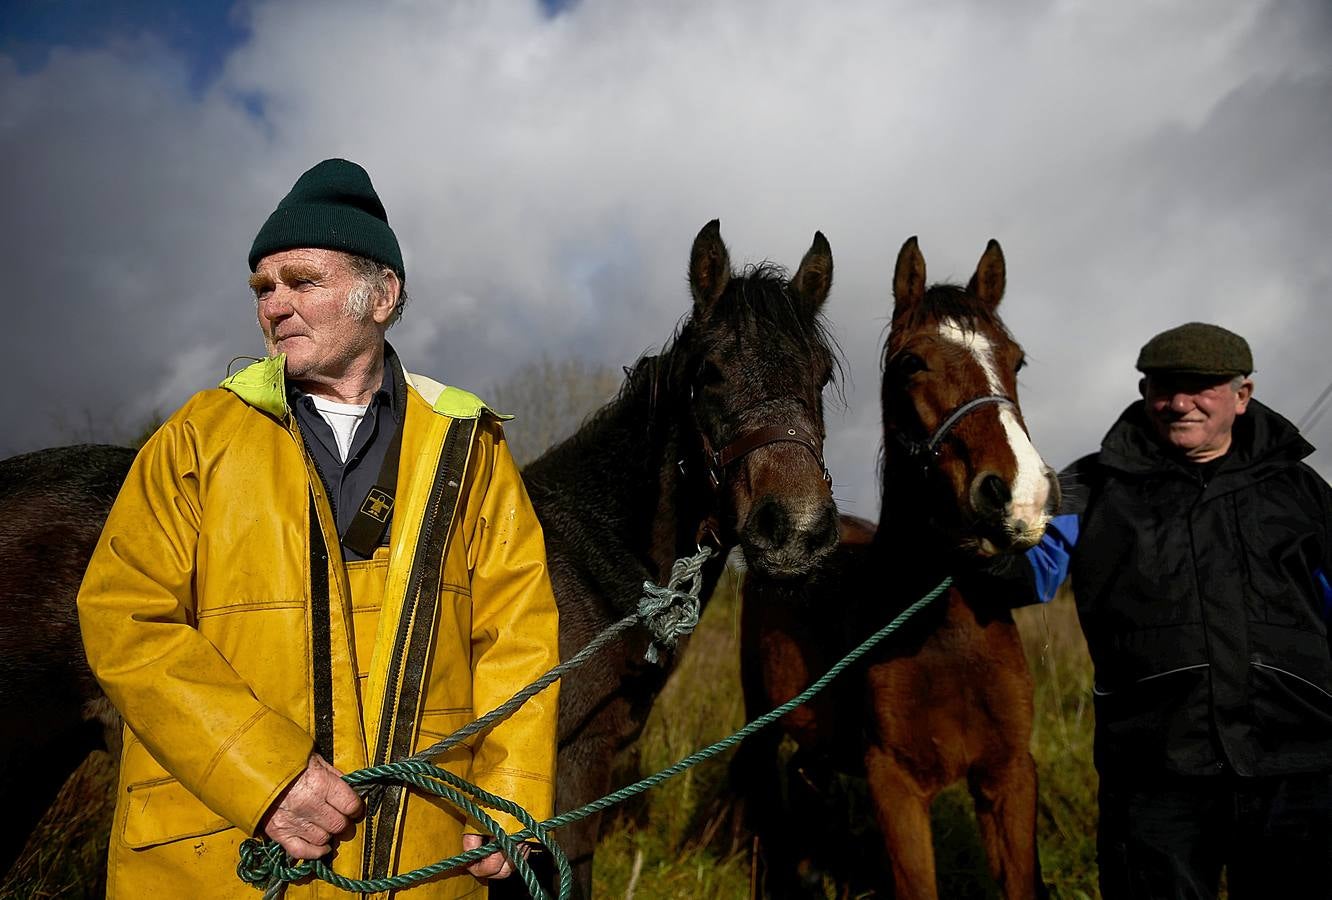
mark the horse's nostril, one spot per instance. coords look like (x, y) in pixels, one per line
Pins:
(798, 531)
(771, 524)
(824, 531)
(991, 494)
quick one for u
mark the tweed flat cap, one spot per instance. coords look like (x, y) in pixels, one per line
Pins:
(1197, 348)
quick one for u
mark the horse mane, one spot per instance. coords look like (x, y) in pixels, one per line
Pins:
(948, 301)
(760, 292)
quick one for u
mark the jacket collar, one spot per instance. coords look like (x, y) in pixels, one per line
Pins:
(262, 384)
(1262, 438)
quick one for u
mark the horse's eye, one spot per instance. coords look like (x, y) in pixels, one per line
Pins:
(709, 375)
(1021, 364)
(909, 364)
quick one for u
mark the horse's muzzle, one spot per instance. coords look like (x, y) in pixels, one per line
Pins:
(785, 539)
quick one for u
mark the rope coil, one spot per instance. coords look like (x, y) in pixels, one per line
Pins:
(669, 613)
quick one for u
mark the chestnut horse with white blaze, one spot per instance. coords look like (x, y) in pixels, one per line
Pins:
(948, 696)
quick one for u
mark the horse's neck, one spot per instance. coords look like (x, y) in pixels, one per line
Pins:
(906, 540)
(616, 486)
(916, 556)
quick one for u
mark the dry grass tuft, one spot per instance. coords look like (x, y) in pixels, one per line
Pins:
(65, 856)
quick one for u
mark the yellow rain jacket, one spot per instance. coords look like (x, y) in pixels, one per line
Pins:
(196, 612)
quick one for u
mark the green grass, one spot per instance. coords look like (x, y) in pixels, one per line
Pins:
(1062, 745)
(681, 839)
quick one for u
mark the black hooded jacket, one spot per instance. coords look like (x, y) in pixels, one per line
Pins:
(1205, 601)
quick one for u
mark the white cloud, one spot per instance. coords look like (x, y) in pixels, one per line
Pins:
(1143, 164)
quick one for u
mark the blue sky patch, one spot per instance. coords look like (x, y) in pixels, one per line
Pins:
(203, 32)
(553, 8)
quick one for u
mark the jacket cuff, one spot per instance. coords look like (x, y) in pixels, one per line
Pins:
(249, 771)
(536, 795)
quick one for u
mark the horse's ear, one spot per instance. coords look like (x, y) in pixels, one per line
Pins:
(990, 278)
(908, 277)
(813, 280)
(709, 267)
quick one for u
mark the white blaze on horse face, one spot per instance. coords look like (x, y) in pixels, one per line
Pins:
(1030, 489)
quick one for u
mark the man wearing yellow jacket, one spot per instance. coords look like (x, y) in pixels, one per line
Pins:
(325, 563)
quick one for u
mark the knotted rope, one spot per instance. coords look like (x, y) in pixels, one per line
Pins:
(669, 613)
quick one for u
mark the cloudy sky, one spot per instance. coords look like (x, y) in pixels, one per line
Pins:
(546, 166)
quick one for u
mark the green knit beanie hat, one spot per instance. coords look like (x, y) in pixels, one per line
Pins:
(333, 206)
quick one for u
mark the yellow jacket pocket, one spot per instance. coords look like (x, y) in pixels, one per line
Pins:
(160, 811)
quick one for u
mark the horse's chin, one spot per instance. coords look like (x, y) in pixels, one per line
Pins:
(780, 565)
(1022, 540)
(989, 541)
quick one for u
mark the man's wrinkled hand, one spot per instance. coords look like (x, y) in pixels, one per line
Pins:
(496, 865)
(315, 808)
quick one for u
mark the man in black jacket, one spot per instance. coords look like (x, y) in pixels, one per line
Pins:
(1200, 547)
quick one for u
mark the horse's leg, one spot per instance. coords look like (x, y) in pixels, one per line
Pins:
(1005, 800)
(758, 779)
(756, 776)
(902, 808)
(777, 803)
(1003, 780)
(584, 768)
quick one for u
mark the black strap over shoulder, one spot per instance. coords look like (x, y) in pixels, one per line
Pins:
(321, 637)
(365, 531)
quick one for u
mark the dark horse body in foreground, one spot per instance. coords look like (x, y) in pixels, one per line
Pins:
(949, 696)
(52, 712)
(629, 493)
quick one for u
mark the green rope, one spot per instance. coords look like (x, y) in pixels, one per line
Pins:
(264, 864)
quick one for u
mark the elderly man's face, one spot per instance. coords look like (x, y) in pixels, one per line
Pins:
(1195, 413)
(301, 297)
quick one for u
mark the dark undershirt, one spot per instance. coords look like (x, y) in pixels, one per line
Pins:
(1206, 470)
(348, 483)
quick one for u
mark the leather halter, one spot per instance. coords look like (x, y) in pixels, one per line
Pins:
(926, 452)
(716, 461)
(747, 443)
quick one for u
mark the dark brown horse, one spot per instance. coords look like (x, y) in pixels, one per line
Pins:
(52, 713)
(949, 696)
(718, 439)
